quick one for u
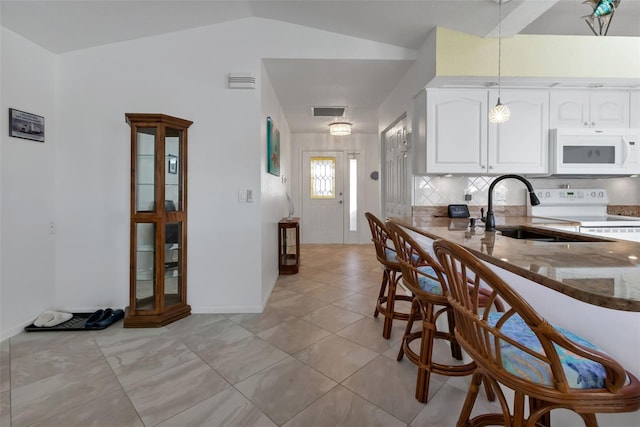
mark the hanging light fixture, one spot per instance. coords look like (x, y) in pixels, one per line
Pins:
(500, 113)
(340, 128)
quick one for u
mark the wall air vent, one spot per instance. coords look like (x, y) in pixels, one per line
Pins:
(241, 81)
(328, 111)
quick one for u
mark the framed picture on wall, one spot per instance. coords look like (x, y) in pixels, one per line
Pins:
(173, 164)
(26, 125)
(273, 148)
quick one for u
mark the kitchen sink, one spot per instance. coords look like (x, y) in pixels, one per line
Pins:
(527, 233)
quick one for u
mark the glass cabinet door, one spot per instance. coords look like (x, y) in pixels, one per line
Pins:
(173, 264)
(145, 169)
(173, 191)
(145, 284)
(173, 168)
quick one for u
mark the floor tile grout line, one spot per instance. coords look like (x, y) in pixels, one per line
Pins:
(116, 377)
(338, 383)
(341, 382)
(195, 353)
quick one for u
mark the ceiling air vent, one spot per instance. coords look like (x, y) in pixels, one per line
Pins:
(328, 111)
(241, 81)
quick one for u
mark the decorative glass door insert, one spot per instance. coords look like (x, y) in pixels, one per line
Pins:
(323, 177)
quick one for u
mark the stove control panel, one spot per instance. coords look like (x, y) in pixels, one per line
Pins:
(568, 196)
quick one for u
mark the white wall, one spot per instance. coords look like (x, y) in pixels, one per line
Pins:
(180, 74)
(84, 95)
(27, 256)
(400, 100)
(368, 147)
(274, 188)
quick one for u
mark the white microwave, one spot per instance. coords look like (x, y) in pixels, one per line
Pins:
(595, 151)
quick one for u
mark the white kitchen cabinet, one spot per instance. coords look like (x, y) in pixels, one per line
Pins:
(634, 109)
(456, 131)
(589, 108)
(520, 145)
(460, 139)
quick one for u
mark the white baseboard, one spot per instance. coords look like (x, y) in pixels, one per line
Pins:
(226, 309)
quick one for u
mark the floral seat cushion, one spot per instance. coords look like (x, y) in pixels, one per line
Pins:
(391, 255)
(428, 284)
(581, 373)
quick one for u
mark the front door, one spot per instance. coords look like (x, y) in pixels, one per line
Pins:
(322, 197)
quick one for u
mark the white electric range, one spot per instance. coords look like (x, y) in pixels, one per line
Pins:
(588, 207)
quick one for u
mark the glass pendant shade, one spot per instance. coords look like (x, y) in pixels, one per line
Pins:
(500, 113)
(340, 128)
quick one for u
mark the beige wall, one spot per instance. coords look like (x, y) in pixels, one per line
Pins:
(460, 54)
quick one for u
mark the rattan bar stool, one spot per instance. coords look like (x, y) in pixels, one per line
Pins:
(386, 255)
(521, 351)
(425, 279)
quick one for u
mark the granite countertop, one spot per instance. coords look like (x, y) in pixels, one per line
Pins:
(605, 273)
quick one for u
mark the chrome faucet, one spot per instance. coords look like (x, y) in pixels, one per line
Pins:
(490, 222)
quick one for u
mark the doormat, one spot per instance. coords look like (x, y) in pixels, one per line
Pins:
(76, 323)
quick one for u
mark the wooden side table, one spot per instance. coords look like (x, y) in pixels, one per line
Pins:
(289, 245)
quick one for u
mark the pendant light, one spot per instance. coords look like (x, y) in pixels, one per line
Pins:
(500, 113)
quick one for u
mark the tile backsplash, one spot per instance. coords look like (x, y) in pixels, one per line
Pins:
(439, 191)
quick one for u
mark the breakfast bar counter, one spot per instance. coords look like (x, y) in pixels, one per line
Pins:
(598, 271)
(589, 287)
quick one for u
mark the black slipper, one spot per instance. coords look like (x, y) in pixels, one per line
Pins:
(114, 315)
(91, 321)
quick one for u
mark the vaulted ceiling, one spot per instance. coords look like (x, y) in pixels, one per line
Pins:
(63, 26)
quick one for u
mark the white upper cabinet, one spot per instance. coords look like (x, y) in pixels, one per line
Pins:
(460, 139)
(520, 145)
(456, 131)
(589, 108)
(634, 110)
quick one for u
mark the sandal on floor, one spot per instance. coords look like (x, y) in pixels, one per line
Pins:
(95, 317)
(114, 315)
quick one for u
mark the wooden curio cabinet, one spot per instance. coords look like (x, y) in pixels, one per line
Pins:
(158, 275)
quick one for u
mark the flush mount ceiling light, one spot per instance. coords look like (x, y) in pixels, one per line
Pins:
(500, 113)
(340, 128)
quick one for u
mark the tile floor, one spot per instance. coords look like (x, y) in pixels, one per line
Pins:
(314, 357)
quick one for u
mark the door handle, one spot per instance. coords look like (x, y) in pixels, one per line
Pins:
(340, 202)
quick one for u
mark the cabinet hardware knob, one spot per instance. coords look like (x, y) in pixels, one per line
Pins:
(483, 166)
(490, 167)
